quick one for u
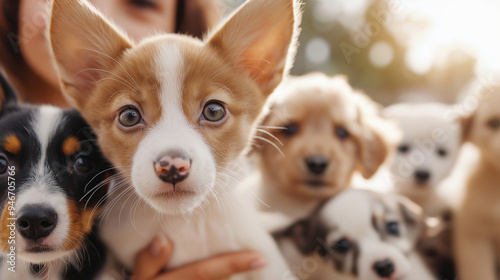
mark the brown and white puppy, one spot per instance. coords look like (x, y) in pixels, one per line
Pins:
(477, 226)
(319, 132)
(358, 234)
(173, 114)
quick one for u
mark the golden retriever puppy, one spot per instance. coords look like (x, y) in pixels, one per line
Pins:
(477, 228)
(316, 134)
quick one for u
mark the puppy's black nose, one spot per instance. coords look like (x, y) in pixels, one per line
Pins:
(384, 268)
(317, 164)
(173, 166)
(422, 176)
(36, 221)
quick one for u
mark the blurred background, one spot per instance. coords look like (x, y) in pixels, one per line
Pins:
(401, 50)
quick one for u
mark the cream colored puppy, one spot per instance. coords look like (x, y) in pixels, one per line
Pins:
(317, 133)
(477, 231)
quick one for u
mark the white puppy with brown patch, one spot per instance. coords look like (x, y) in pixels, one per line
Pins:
(358, 234)
(174, 114)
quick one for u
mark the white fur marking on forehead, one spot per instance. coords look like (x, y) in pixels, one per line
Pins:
(170, 75)
(173, 132)
(45, 126)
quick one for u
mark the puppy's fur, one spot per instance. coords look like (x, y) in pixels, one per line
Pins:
(354, 235)
(477, 231)
(431, 143)
(427, 152)
(52, 179)
(319, 132)
(169, 81)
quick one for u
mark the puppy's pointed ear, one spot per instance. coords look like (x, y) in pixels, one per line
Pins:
(260, 39)
(84, 45)
(7, 94)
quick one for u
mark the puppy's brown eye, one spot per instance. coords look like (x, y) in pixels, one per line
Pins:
(143, 4)
(130, 117)
(442, 152)
(290, 129)
(494, 123)
(341, 132)
(403, 148)
(342, 246)
(4, 165)
(83, 164)
(214, 112)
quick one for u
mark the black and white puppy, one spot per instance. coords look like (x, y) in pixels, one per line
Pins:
(358, 234)
(52, 180)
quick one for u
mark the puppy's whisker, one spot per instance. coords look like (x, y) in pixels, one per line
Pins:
(117, 62)
(119, 91)
(271, 127)
(135, 206)
(106, 212)
(113, 79)
(95, 176)
(225, 87)
(105, 71)
(271, 143)
(245, 187)
(105, 197)
(103, 183)
(123, 205)
(271, 135)
(255, 58)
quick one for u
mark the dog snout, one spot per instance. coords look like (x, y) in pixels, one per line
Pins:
(422, 176)
(316, 164)
(384, 268)
(173, 166)
(36, 221)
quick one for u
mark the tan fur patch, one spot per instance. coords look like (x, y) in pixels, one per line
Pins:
(4, 230)
(12, 144)
(104, 106)
(70, 146)
(75, 231)
(244, 101)
(88, 217)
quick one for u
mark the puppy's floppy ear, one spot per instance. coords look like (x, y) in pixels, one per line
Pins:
(84, 45)
(7, 94)
(303, 235)
(260, 39)
(466, 125)
(374, 145)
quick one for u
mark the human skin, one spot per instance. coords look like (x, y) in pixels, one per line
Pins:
(138, 18)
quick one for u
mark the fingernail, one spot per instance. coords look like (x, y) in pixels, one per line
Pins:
(258, 263)
(157, 245)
